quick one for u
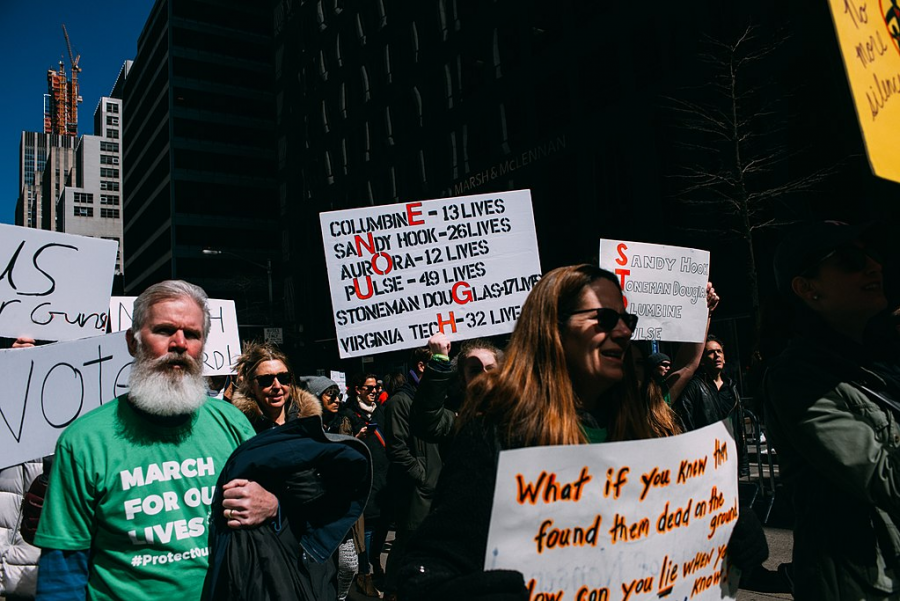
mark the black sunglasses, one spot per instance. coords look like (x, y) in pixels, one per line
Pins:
(608, 318)
(333, 394)
(849, 259)
(267, 380)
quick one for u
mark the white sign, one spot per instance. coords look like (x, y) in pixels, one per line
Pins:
(273, 335)
(223, 346)
(632, 520)
(400, 273)
(339, 378)
(53, 286)
(47, 387)
(665, 286)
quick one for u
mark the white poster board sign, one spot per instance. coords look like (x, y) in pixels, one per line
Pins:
(665, 286)
(47, 387)
(400, 273)
(339, 378)
(630, 520)
(54, 286)
(223, 346)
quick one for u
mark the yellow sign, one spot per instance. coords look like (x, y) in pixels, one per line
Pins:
(868, 32)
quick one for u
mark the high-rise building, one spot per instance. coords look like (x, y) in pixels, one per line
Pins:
(199, 153)
(91, 202)
(35, 206)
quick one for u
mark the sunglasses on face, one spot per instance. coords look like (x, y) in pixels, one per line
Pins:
(849, 259)
(368, 388)
(333, 394)
(608, 318)
(268, 379)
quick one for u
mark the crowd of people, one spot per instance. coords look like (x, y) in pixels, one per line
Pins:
(288, 485)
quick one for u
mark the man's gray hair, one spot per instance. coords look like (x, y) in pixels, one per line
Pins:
(169, 290)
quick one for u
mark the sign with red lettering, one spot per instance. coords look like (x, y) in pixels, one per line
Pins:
(400, 273)
(665, 286)
(643, 519)
(223, 345)
(54, 286)
(47, 387)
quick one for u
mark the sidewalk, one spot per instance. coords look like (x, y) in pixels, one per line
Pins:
(781, 545)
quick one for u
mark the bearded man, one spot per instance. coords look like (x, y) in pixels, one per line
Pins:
(127, 506)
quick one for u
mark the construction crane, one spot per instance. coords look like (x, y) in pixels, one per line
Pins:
(74, 98)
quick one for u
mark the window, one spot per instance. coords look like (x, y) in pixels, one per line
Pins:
(107, 172)
(110, 147)
(112, 107)
(112, 133)
(83, 211)
(109, 213)
(112, 120)
(106, 159)
(109, 199)
(84, 197)
(105, 185)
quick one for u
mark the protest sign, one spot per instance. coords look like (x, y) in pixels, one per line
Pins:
(629, 520)
(869, 37)
(47, 387)
(53, 286)
(665, 286)
(400, 273)
(339, 378)
(223, 345)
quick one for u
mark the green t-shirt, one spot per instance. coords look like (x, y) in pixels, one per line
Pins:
(138, 495)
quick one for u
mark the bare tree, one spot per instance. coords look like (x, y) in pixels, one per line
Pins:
(733, 177)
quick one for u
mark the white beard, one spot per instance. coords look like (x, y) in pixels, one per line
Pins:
(158, 389)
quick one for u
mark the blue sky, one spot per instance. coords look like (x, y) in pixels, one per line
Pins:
(31, 41)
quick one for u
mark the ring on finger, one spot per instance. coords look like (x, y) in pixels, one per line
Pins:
(230, 514)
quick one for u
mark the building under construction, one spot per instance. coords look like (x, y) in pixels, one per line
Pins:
(62, 98)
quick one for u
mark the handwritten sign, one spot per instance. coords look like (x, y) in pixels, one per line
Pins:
(400, 273)
(625, 521)
(47, 387)
(223, 346)
(339, 378)
(665, 286)
(868, 33)
(53, 286)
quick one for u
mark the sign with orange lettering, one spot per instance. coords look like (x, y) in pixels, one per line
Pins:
(627, 521)
(665, 286)
(402, 272)
(868, 33)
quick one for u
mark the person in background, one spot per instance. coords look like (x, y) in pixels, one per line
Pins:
(266, 394)
(415, 466)
(659, 364)
(366, 417)
(832, 406)
(328, 394)
(18, 557)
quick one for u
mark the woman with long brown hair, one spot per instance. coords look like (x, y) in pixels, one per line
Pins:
(561, 383)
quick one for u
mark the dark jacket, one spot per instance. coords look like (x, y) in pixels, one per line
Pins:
(415, 464)
(830, 416)
(430, 420)
(699, 404)
(321, 482)
(379, 505)
(447, 552)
